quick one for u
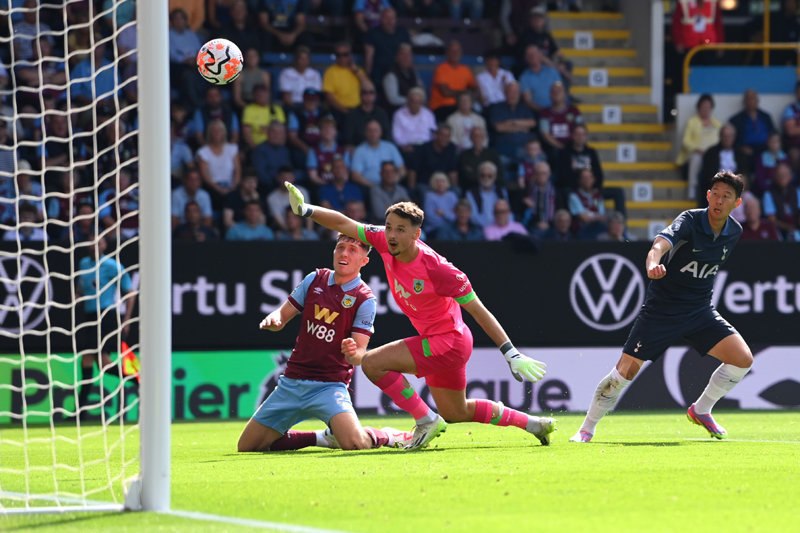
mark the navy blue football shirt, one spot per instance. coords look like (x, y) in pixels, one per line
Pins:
(693, 261)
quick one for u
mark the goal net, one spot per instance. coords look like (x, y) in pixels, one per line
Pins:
(70, 167)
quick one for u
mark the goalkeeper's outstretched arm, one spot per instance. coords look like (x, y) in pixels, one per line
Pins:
(333, 220)
(522, 367)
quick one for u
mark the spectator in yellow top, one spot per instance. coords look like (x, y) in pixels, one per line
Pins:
(258, 115)
(342, 82)
(701, 133)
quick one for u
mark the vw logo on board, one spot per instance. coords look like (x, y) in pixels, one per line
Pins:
(606, 291)
(23, 294)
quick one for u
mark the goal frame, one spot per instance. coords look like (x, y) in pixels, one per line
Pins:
(153, 485)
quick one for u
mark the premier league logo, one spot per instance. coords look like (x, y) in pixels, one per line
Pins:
(419, 285)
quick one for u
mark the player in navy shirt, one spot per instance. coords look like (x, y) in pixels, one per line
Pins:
(682, 265)
(338, 310)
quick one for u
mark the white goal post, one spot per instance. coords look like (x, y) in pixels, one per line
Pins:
(57, 454)
(156, 258)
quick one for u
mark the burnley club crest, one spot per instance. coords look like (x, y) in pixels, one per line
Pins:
(419, 285)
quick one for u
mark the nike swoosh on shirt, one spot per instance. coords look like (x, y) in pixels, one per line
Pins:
(697, 249)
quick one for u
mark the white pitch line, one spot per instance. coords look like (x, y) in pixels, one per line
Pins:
(751, 440)
(248, 522)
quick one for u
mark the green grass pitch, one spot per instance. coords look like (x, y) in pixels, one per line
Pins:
(645, 472)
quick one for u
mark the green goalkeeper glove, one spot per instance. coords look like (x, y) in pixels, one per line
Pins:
(298, 201)
(522, 366)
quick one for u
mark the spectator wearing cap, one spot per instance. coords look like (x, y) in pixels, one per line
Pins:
(538, 34)
(381, 44)
(493, 80)
(401, 78)
(320, 158)
(294, 80)
(340, 190)
(514, 18)
(413, 124)
(370, 154)
(257, 117)
(449, 79)
(304, 126)
(342, 82)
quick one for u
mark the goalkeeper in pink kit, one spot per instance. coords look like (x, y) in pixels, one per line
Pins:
(431, 292)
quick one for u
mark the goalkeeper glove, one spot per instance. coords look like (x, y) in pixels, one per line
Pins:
(522, 366)
(298, 201)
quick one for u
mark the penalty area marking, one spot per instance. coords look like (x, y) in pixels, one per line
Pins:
(757, 441)
(247, 522)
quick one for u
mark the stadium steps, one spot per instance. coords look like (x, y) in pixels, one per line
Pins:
(631, 113)
(603, 38)
(628, 87)
(617, 76)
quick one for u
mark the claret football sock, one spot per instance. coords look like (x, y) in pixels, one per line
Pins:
(406, 398)
(605, 398)
(724, 378)
(294, 440)
(504, 417)
(378, 436)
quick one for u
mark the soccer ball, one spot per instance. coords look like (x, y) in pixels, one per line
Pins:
(219, 61)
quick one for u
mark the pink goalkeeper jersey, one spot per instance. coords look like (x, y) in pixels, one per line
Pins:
(429, 289)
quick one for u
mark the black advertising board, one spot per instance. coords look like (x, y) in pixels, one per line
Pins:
(571, 294)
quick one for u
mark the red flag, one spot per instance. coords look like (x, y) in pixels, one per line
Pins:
(130, 363)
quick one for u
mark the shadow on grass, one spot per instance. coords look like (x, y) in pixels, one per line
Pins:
(59, 519)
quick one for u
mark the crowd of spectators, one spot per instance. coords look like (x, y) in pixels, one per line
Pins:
(365, 131)
(749, 143)
(490, 152)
